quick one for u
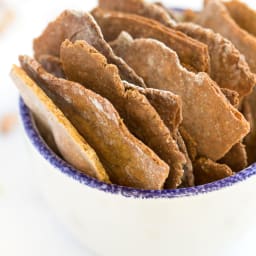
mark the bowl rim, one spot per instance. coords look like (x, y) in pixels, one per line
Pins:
(62, 166)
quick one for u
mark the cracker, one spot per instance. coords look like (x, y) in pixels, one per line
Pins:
(80, 26)
(190, 51)
(236, 158)
(228, 67)
(243, 15)
(84, 64)
(167, 105)
(232, 97)
(69, 142)
(52, 64)
(249, 111)
(188, 177)
(128, 161)
(216, 16)
(207, 171)
(213, 123)
(139, 7)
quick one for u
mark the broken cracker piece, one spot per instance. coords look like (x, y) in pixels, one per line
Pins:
(216, 16)
(207, 171)
(52, 64)
(188, 177)
(128, 161)
(208, 117)
(236, 158)
(139, 7)
(80, 26)
(84, 64)
(228, 67)
(190, 51)
(70, 144)
(167, 105)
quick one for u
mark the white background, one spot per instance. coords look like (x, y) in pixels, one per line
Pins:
(27, 226)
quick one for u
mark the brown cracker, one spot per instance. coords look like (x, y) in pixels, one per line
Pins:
(228, 67)
(206, 171)
(84, 64)
(139, 7)
(208, 117)
(243, 15)
(52, 64)
(236, 158)
(216, 16)
(128, 161)
(69, 142)
(190, 51)
(80, 26)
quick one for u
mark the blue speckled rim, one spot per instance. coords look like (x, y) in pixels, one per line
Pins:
(67, 169)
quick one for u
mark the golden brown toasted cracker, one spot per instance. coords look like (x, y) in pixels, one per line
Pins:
(167, 105)
(80, 26)
(208, 117)
(52, 64)
(207, 171)
(228, 67)
(243, 15)
(128, 161)
(236, 158)
(216, 16)
(84, 64)
(70, 143)
(139, 7)
(190, 51)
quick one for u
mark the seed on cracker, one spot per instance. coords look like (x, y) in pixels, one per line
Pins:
(208, 117)
(216, 16)
(228, 67)
(84, 64)
(127, 160)
(190, 51)
(69, 142)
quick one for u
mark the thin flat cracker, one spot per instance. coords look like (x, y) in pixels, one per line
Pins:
(228, 67)
(249, 111)
(188, 177)
(208, 117)
(84, 64)
(70, 143)
(128, 161)
(167, 105)
(207, 171)
(216, 16)
(80, 26)
(190, 51)
(236, 158)
(139, 7)
(52, 64)
(243, 15)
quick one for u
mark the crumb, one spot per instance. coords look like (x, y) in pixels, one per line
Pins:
(8, 122)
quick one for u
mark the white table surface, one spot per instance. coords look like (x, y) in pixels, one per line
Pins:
(27, 226)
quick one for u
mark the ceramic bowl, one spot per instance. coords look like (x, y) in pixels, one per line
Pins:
(112, 220)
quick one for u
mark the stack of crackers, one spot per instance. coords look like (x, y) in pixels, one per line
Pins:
(130, 95)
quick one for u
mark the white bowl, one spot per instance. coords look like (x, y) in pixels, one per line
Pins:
(113, 220)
